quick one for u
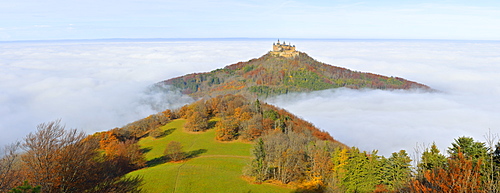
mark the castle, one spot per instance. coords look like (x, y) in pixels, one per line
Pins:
(284, 50)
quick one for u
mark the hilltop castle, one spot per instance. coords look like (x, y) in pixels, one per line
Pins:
(284, 50)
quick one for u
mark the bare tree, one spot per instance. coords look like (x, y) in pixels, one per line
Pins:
(491, 181)
(9, 167)
(58, 159)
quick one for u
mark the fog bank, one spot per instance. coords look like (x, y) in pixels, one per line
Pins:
(467, 75)
(97, 86)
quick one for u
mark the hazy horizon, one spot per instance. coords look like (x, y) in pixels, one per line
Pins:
(160, 39)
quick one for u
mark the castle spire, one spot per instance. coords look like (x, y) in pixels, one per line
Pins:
(284, 50)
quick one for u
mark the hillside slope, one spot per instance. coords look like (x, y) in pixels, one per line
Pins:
(272, 75)
(214, 166)
(218, 152)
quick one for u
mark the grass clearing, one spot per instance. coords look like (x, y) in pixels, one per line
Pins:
(214, 167)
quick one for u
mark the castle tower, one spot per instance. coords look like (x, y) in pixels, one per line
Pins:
(284, 50)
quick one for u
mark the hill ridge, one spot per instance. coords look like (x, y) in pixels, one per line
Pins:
(280, 71)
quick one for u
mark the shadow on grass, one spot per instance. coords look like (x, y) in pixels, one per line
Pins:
(300, 190)
(146, 150)
(211, 124)
(195, 153)
(168, 132)
(155, 134)
(164, 159)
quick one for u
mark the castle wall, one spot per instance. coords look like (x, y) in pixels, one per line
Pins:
(284, 50)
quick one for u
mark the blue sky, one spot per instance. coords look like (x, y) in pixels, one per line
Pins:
(96, 19)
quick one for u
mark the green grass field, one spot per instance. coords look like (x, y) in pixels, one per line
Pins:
(214, 166)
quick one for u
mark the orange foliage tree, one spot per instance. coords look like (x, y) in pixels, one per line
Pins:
(461, 175)
(62, 160)
(58, 159)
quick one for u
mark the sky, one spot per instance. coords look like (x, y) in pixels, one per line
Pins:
(94, 84)
(337, 19)
(99, 85)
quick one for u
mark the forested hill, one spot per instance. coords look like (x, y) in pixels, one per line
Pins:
(273, 75)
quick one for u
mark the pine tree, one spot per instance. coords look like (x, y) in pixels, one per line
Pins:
(431, 158)
(258, 165)
(362, 172)
(397, 170)
(469, 148)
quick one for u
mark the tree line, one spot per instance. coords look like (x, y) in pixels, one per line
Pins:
(314, 165)
(239, 118)
(287, 150)
(55, 159)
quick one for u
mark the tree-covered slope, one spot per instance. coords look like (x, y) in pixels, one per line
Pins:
(216, 135)
(272, 75)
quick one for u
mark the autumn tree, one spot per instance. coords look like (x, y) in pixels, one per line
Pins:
(227, 128)
(58, 159)
(156, 133)
(9, 167)
(319, 168)
(280, 157)
(174, 151)
(61, 160)
(461, 175)
(196, 122)
(252, 128)
(340, 157)
(123, 157)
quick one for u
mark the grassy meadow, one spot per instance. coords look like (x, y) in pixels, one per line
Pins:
(212, 166)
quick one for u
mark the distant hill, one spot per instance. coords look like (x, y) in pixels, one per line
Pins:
(274, 74)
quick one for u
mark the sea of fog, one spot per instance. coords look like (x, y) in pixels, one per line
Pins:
(98, 85)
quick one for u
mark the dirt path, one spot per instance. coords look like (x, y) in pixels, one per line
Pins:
(179, 168)
(234, 156)
(221, 156)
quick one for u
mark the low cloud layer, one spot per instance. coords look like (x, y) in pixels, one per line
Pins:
(97, 86)
(394, 120)
(467, 75)
(100, 85)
